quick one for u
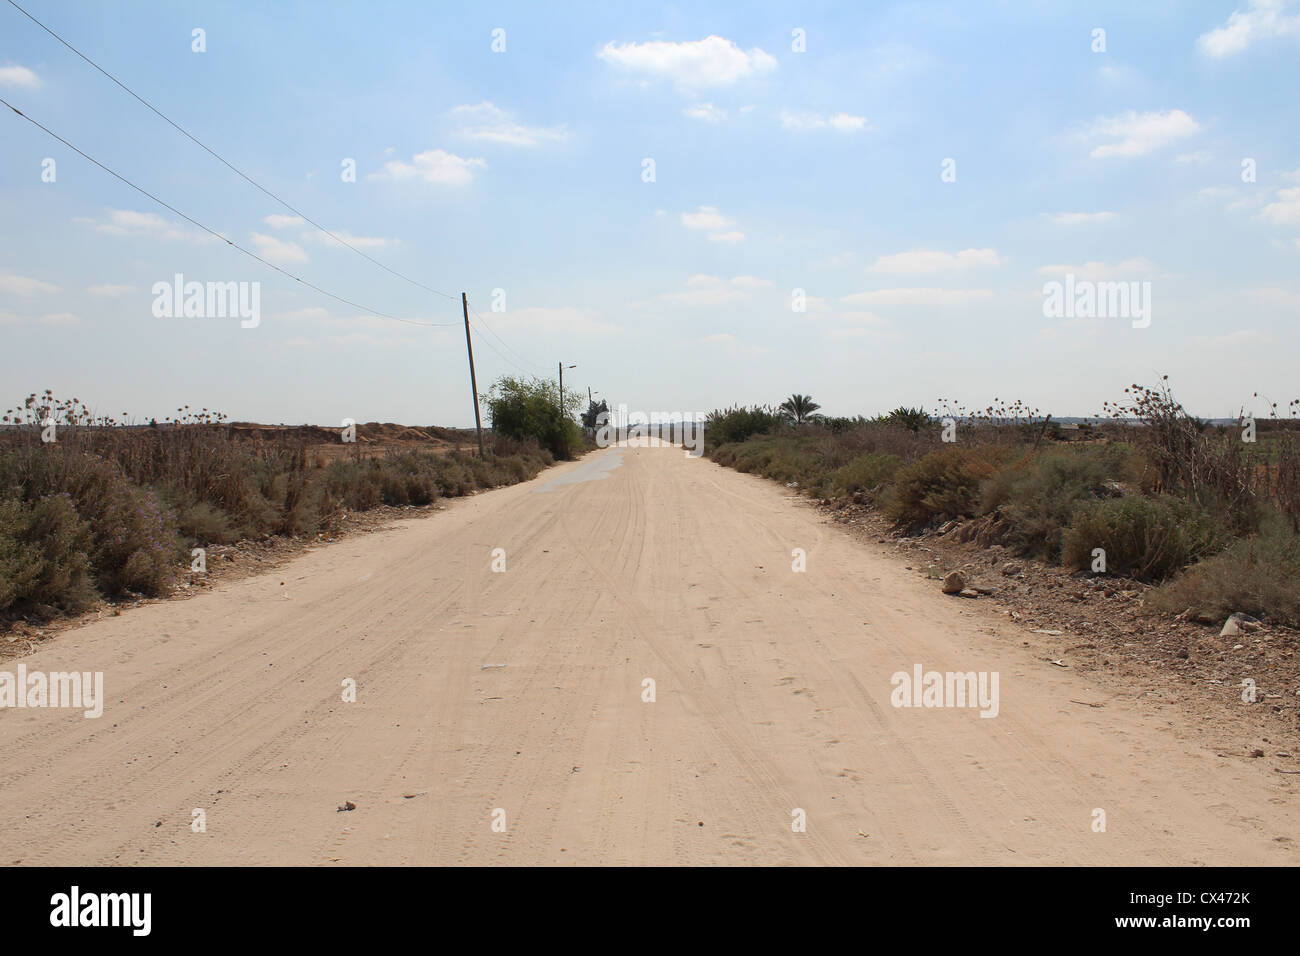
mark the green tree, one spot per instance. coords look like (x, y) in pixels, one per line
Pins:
(911, 418)
(530, 408)
(798, 409)
(593, 412)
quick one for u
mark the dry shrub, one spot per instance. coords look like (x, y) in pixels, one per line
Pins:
(944, 484)
(1259, 575)
(114, 507)
(1147, 538)
(43, 556)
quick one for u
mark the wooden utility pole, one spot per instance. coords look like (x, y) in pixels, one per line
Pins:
(473, 382)
(560, 366)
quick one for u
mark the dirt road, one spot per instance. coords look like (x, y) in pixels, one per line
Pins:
(516, 698)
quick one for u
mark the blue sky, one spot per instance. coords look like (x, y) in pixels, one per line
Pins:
(774, 170)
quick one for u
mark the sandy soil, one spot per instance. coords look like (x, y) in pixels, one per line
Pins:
(522, 692)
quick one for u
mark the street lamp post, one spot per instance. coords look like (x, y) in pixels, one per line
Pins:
(560, 365)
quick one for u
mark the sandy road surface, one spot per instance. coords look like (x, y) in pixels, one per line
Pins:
(523, 691)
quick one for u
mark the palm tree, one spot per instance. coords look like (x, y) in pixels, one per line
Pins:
(799, 409)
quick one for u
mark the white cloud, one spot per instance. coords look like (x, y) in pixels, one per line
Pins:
(1276, 295)
(1262, 19)
(705, 290)
(863, 318)
(1249, 201)
(110, 291)
(317, 316)
(1230, 339)
(799, 121)
(1136, 134)
(134, 224)
(367, 321)
(917, 296)
(713, 61)
(1119, 74)
(1074, 330)
(706, 112)
(1200, 157)
(840, 122)
(360, 242)
(706, 217)
(20, 76)
(1079, 218)
(488, 122)
(349, 340)
(1256, 196)
(922, 261)
(278, 250)
(22, 285)
(714, 290)
(566, 318)
(711, 220)
(859, 332)
(276, 221)
(433, 166)
(1285, 208)
(846, 122)
(298, 315)
(1292, 176)
(729, 340)
(1101, 271)
(60, 318)
(855, 323)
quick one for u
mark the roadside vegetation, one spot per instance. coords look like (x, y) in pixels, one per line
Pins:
(108, 508)
(1209, 516)
(529, 410)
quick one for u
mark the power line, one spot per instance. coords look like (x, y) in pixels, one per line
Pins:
(297, 212)
(213, 232)
(505, 358)
(503, 341)
(222, 159)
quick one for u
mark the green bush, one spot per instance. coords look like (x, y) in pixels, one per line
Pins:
(202, 524)
(134, 546)
(1148, 538)
(407, 479)
(350, 483)
(755, 458)
(1040, 498)
(864, 473)
(522, 409)
(421, 478)
(839, 424)
(43, 555)
(1257, 575)
(108, 509)
(913, 419)
(723, 426)
(943, 484)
